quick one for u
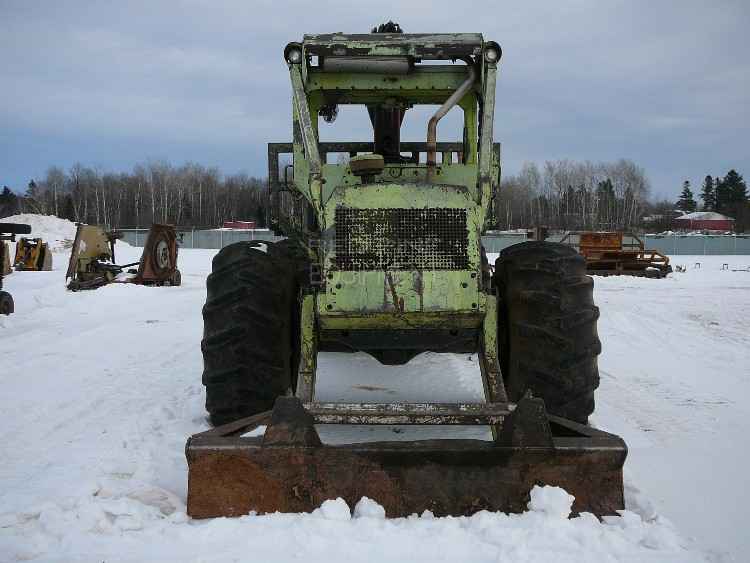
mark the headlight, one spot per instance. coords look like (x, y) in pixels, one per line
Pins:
(293, 53)
(492, 52)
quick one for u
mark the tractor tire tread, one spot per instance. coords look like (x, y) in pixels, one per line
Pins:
(249, 330)
(547, 327)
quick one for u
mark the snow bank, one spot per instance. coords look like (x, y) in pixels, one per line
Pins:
(152, 526)
(57, 233)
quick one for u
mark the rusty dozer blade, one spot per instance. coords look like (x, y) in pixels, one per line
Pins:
(288, 469)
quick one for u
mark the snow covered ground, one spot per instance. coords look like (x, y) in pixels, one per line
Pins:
(101, 389)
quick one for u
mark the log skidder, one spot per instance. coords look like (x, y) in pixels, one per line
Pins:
(386, 257)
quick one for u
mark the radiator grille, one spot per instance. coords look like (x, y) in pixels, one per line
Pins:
(401, 239)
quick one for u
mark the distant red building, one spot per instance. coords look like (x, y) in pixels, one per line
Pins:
(704, 221)
(239, 225)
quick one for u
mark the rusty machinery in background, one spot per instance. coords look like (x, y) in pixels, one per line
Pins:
(92, 259)
(32, 255)
(8, 232)
(6, 266)
(618, 253)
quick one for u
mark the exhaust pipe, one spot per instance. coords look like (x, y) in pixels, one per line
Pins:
(449, 104)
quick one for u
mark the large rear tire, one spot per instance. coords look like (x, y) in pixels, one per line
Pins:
(251, 326)
(547, 327)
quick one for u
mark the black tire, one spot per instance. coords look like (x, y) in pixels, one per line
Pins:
(547, 327)
(251, 326)
(6, 303)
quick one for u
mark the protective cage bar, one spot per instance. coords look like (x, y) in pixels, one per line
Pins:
(408, 413)
(277, 149)
(441, 46)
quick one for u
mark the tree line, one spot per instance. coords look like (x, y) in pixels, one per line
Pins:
(562, 194)
(570, 195)
(155, 192)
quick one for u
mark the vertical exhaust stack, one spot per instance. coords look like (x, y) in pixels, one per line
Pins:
(442, 111)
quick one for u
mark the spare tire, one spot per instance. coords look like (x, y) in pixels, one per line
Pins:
(547, 330)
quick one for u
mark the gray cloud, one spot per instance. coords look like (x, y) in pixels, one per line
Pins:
(663, 83)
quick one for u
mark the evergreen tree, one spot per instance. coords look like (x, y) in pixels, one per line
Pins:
(686, 201)
(8, 202)
(33, 190)
(708, 194)
(736, 189)
(721, 199)
(731, 192)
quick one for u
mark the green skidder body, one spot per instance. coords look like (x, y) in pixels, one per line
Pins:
(383, 254)
(395, 231)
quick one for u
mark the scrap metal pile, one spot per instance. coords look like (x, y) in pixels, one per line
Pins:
(608, 254)
(92, 259)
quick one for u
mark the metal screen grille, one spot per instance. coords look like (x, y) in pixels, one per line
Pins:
(401, 239)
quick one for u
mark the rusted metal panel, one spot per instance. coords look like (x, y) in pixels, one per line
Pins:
(158, 263)
(230, 476)
(594, 241)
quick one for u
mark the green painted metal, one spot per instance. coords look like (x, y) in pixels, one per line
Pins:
(416, 45)
(466, 179)
(308, 349)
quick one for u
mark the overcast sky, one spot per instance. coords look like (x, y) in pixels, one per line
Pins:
(110, 84)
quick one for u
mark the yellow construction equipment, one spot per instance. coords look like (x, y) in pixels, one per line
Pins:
(32, 254)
